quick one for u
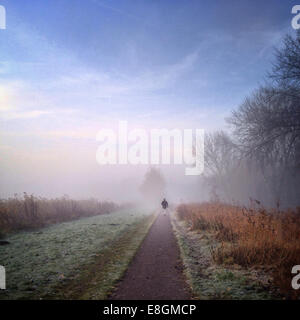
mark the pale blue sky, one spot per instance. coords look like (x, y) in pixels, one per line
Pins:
(68, 68)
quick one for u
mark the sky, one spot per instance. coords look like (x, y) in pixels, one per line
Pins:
(70, 68)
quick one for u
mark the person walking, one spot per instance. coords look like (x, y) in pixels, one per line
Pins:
(164, 204)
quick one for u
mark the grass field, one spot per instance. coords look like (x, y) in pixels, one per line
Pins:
(30, 212)
(54, 262)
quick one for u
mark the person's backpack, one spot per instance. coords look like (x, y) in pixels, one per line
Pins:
(164, 204)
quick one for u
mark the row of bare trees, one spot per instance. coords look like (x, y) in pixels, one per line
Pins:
(261, 158)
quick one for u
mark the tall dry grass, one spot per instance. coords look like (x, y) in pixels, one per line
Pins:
(251, 237)
(29, 212)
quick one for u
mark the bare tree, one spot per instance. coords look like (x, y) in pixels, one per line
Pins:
(220, 152)
(265, 118)
(221, 158)
(267, 124)
(153, 186)
(262, 158)
(286, 68)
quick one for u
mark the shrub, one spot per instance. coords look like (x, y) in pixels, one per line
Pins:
(251, 237)
(29, 212)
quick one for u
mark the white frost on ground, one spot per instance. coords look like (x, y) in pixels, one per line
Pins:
(37, 261)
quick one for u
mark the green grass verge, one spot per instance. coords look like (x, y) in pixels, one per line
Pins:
(98, 280)
(81, 259)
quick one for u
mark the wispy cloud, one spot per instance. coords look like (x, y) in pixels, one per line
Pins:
(10, 115)
(118, 11)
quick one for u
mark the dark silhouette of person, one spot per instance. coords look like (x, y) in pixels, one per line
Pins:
(164, 204)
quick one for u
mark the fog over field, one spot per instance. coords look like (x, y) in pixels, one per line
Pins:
(149, 150)
(58, 88)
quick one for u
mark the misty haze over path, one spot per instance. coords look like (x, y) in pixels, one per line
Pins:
(156, 270)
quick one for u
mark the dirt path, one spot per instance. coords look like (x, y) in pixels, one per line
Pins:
(156, 271)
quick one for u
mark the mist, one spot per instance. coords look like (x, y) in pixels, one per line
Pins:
(221, 81)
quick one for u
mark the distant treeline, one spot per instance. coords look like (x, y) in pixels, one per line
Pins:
(260, 158)
(30, 212)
